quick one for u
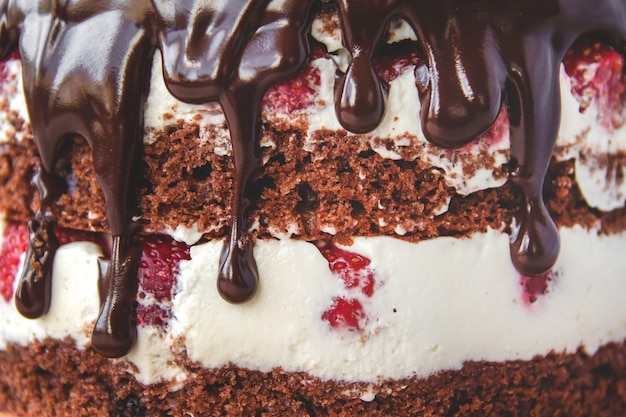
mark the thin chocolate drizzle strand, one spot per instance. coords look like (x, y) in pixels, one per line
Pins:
(86, 66)
(32, 296)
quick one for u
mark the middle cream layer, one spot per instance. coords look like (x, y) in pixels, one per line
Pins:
(436, 304)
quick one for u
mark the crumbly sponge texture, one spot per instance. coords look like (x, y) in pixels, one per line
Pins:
(53, 378)
(339, 183)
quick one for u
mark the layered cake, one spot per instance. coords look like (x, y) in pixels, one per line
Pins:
(305, 208)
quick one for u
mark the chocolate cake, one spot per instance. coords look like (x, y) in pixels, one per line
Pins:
(311, 208)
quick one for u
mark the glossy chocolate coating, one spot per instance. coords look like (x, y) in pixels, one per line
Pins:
(86, 66)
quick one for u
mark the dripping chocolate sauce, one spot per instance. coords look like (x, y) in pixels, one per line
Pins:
(86, 66)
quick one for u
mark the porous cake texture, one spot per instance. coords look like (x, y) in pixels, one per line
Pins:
(277, 208)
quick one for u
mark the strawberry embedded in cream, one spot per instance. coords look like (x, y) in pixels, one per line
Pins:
(295, 94)
(357, 276)
(158, 271)
(4, 71)
(596, 72)
(345, 314)
(396, 59)
(66, 236)
(535, 287)
(14, 245)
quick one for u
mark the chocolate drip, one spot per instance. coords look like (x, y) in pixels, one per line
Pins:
(534, 114)
(32, 296)
(202, 42)
(86, 66)
(115, 331)
(84, 74)
(359, 96)
(254, 51)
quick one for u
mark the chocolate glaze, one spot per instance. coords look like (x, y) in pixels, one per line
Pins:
(86, 66)
(84, 74)
(32, 296)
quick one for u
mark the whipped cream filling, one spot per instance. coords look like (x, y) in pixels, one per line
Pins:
(74, 304)
(436, 304)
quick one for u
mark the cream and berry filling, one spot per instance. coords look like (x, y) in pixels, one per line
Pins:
(381, 307)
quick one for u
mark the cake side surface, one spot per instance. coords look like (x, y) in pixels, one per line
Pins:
(384, 269)
(575, 384)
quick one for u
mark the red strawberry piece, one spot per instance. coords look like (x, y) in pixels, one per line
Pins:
(295, 94)
(152, 315)
(158, 271)
(490, 137)
(352, 267)
(498, 129)
(65, 236)
(596, 73)
(357, 276)
(534, 287)
(318, 51)
(347, 314)
(14, 245)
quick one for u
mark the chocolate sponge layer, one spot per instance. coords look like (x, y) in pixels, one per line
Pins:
(53, 378)
(340, 184)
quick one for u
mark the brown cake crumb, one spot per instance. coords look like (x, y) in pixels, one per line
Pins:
(304, 194)
(54, 378)
(17, 164)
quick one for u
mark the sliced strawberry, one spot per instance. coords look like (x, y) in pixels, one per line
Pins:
(535, 287)
(489, 138)
(357, 276)
(65, 236)
(14, 245)
(295, 94)
(318, 51)
(597, 75)
(4, 73)
(347, 314)
(396, 58)
(352, 267)
(158, 271)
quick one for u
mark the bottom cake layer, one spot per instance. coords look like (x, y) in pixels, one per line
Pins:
(378, 309)
(54, 378)
(378, 327)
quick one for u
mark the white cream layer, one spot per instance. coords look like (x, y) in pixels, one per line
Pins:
(436, 305)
